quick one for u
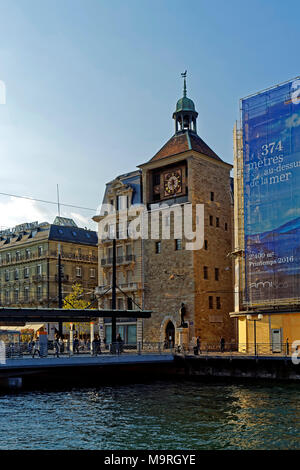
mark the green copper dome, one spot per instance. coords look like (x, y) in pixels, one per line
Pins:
(185, 104)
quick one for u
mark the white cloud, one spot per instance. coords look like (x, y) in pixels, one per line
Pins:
(14, 211)
(83, 221)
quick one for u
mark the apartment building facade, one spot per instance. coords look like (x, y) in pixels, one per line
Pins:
(29, 262)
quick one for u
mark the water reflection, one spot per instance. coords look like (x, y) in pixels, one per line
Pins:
(162, 415)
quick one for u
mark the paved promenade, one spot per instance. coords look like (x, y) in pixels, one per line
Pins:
(27, 362)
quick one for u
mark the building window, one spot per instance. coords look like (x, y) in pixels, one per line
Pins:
(39, 270)
(158, 247)
(8, 257)
(27, 253)
(26, 273)
(16, 274)
(210, 302)
(211, 220)
(39, 292)
(26, 294)
(205, 245)
(78, 271)
(178, 244)
(40, 251)
(18, 256)
(7, 275)
(129, 277)
(129, 303)
(120, 304)
(217, 222)
(212, 196)
(122, 203)
(92, 272)
(226, 226)
(112, 231)
(16, 295)
(205, 272)
(216, 274)
(218, 303)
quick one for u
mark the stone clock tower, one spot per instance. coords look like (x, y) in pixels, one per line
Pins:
(186, 171)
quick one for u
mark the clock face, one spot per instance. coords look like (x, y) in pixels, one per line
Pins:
(172, 182)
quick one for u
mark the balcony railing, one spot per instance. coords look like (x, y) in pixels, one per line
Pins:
(39, 277)
(64, 277)
(23, 257)
(119, 260)
(129, 286)
(73, 256)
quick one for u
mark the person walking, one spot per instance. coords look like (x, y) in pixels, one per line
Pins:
(94, 346)
(199, 344)
(76, 345)
(36, 348)
(119, 344)
(61, 345)
(56, 347)
(287, 347)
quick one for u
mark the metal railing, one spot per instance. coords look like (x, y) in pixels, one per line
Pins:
(82, 348)
(237, 349)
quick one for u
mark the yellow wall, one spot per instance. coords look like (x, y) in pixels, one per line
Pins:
(242, 328)
(288, 322)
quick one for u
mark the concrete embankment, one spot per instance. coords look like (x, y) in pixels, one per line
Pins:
(92, 371)
(83, 371)
(239, 367)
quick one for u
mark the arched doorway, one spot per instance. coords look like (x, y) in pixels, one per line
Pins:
(170, 334)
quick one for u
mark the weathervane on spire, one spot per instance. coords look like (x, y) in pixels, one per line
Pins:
(184, 82)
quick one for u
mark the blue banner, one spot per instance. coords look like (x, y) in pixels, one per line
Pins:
(271, 179)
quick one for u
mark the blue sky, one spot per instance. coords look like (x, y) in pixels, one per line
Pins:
(91, 86)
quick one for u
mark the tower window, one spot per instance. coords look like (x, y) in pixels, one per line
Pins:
(158, 247)
(178, 244)
(205, 272)
(210, 302)
(216, 274)
(211, 220)
(218, 303)
(217, 222)
(156, 179)
(205, 245)
(226, 226)
(212, 196)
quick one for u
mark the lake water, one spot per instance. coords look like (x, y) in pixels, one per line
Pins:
(171, 415)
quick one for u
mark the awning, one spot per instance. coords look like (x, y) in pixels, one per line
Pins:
(28, 326)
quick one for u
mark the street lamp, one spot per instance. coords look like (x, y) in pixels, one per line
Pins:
(249, 318)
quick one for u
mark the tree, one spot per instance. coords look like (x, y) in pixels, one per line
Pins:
(75, 300)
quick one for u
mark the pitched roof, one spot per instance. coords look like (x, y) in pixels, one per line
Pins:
(184, 142)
